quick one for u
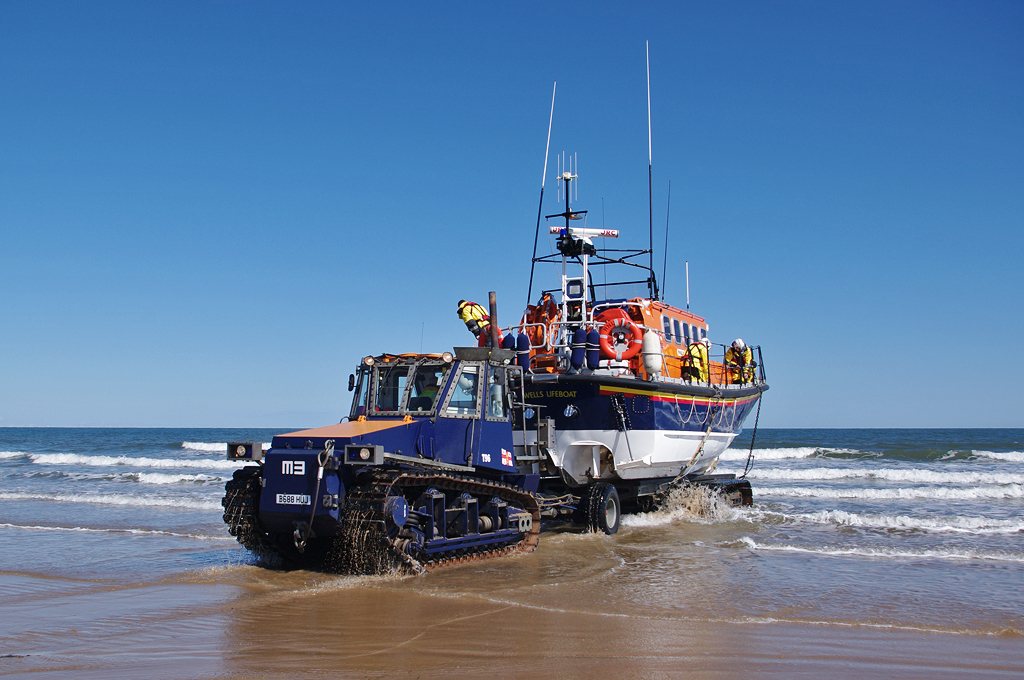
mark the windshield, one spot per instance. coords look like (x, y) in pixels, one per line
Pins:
(426, 386)
(392, 385)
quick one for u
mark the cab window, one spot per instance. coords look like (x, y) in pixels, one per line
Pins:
(462, 399)
(497, 404)
(362, 392)
(703, 334)
(425, 387)
(679, 335)
(666, 323)
(391, 381)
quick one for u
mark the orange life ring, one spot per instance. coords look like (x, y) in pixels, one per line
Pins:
(615, 331)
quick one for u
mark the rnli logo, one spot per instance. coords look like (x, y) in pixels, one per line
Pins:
(293, 467)
(506, 458)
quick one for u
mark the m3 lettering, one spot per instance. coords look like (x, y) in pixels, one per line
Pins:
(293, 467)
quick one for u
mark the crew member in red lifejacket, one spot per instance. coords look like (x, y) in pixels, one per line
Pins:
(477, 321)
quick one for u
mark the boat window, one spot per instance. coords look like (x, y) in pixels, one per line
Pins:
(359, 399)
(462, 400)
(703, 334)
(497, 404)
(391, 382)
(679, 336)
(426, 385)
(667, 325)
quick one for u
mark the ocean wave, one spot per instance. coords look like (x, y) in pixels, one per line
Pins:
(770, 454)
(956, 524)
(164, 478)
(205, 446)
(142, 477)
(937, 553)
(1005, 491)
(1013, 456)
(114, 499)
(888, 475)
(215, 447)
(167, 463)
(11, 454)
(137, 532)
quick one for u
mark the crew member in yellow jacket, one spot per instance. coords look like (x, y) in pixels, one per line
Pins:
(739, 361)
(695, 361)
(477, 321)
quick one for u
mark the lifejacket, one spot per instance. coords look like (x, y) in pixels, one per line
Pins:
(476, 317)
(621, 339)
(696, 358)
(544, 312)
(740, 365)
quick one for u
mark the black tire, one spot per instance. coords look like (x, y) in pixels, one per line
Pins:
(602, 508)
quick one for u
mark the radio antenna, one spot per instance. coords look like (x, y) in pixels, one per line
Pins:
(687, 285)
(540, 206)
(664, 264)
(650, 188)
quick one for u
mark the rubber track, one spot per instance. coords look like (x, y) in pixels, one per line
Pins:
(371, 494)
(240, 502)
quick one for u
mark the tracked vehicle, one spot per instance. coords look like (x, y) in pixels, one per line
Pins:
(422, 473)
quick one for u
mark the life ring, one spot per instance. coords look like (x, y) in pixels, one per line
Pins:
(614, 334)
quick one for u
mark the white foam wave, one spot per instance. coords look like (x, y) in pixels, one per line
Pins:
(138, 532)
(770, 454)
(166, 463)
(939, 553)
(141, 477)
(886, 474)
(205, 446)
(164, 478)
(1013, 456)
(12, 454)
(216, 447)
(114, 499)
(956, 524)
(1005, 491)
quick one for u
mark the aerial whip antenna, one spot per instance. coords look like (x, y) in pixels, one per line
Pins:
(650, 189)
(687, 285)
(664, 263)
(540, 206)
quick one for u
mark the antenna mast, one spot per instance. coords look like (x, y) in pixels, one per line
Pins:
(540, 206)
(664, 262)
(687, 285)
(650, 188)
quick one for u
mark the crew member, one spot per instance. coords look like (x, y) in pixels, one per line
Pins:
(695, 362)
(477, 321)
(739, 361)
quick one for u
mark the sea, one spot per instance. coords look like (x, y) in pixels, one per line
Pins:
(867, 552)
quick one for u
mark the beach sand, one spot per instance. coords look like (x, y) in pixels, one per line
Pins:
(247, 622)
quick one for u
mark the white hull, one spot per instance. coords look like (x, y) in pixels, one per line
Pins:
(634, 455)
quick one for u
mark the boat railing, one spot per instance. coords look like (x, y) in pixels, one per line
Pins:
(553, 341)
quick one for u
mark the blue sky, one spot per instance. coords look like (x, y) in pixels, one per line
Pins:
(210, 211)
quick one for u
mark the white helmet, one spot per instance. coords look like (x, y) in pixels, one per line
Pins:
(738, 345)
(706, 341)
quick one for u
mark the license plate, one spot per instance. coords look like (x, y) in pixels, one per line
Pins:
(292, 499)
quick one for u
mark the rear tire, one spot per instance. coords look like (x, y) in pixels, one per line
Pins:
(601, 508)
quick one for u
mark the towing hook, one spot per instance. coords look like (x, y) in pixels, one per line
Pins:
(301, 535)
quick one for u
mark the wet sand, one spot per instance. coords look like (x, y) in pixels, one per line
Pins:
(243, 621)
